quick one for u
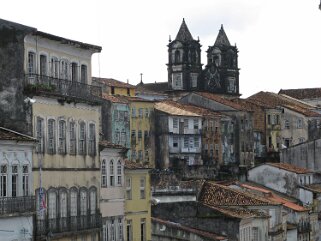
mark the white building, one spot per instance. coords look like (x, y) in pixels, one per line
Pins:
(17, 201)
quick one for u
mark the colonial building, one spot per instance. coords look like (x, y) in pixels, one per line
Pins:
(114, 87)
(178, 134)
(47, 81)
(17, 200)
(137, 202)
(112, 201)
(242, 124)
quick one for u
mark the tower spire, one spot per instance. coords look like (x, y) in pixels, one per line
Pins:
(222, 38)
(184, 34)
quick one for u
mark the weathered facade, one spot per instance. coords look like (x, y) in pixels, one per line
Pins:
(178, 135)
(137, 202)
(51, 98)
(112, 192)
(17, 200)
(114, 87)
(241, 125)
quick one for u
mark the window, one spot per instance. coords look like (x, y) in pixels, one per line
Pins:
(54, 67)
(186, 140)
(74, 72)
(140, 155)
(121, 115)
(72, 137)
(177, 56)
(51, 136)
(62, 137)
(133, 155)
(129, 230)
(287, 124)
(146, 112)
(3, 180)
(119, 173)
(146, 138)
(73, 202)
(128, 91)
(120, 229)
(128, 188)
(125, 115)
(103, 174)
(123, 138)
(83, 203)
(194, 80)
(133, 112)
(175, 123)
(140, 112)
(177, 80)
(185, 123)
(140, 134)
(92, 140)
(31, 63)
(43, 65)
(133, 136)
(83, 78)
(14, 180)
(175, 141)
(195, 121)
(301, 139)
(196, 142)
(92, 199)
(82, 138)
(39, 135)
(143, 229)
(112, 90)
(299, 123)
(146, 155)
(112, 230)
(64, 69)
(63, 206)
(142, 187)
(52, 212)
(111, 173)
(25, 180)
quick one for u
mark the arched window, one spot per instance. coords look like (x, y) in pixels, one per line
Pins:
(83, 74)
(3, 180)
(82, 138)
(14, 180)
(74, 72)
(92, 140)
(54, 67)
(43, 65)
(64, 69)
(177, 56)
(51, 136)
(92, 199)
(103, 174)
(31, 63)
(62, 137)
(25, 180)
(111, 173)
(72, 138)
(83, 202)
(63, 209)
(52, 209)
(73, 202)
(119, 173)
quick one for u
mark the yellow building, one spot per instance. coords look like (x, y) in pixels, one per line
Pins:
(114, 87)
(142, 139)
(137, 202)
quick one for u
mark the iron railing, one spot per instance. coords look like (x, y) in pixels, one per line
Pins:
(9, 205)
(68, 224)
(46, 84)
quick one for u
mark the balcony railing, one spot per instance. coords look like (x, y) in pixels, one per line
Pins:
(68, 224)
(45, 84)
(9, 205)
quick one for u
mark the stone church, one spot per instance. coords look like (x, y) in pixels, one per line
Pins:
(185, 73)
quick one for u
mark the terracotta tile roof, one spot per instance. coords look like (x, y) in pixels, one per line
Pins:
(239, 212)
(134, 99)
(290, 168)
(222, 100)
(314, 187)
(205, 234)
(135, 165)
(214, 194)
(113, 82)
(307, 93)
(108, 144)
(275, 198)
(173, 108)
(7, 134)
(156, 87)
(114, 99)
(272, 100)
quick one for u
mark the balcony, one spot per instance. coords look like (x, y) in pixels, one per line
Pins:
(68, 224)
(10, 205)
(52, 86)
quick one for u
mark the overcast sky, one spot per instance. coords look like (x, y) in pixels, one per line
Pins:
(279, 41)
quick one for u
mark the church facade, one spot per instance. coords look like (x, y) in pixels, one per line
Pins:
(185, 73)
